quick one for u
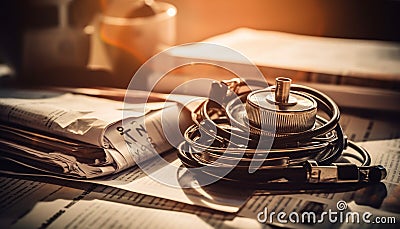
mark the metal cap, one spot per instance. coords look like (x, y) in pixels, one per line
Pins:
(278, 107)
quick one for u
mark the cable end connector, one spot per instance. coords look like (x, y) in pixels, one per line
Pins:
(343, 173)
(374, 173)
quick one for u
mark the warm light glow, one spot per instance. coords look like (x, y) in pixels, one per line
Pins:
(171, 12)
(89, 29)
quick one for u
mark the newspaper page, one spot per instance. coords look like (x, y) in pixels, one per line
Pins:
(78, 117)
(37, 204)
(88, 121)
(360, 129)
(324, 55)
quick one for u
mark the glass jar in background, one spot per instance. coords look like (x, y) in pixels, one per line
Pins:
(132, 32)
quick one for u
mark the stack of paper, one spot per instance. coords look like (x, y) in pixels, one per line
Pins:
(336, 61)
(78, 135)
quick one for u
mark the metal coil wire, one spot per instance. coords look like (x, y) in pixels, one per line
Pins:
(218, 139)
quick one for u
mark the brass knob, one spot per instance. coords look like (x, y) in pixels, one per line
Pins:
(281, 110)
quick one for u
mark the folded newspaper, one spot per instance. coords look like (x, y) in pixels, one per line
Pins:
(78, 135)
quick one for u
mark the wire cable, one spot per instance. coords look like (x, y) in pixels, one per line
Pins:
(218, 141)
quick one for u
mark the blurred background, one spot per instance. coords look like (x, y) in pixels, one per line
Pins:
(379, 19)
(72, 42)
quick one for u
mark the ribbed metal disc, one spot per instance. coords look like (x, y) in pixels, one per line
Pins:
(297, 117)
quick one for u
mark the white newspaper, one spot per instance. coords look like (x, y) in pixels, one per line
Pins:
(334, 56)
(85, 119)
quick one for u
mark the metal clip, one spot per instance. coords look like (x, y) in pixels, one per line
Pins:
(372, 173)
(335, 173)
(234, 84)
(225, 91)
